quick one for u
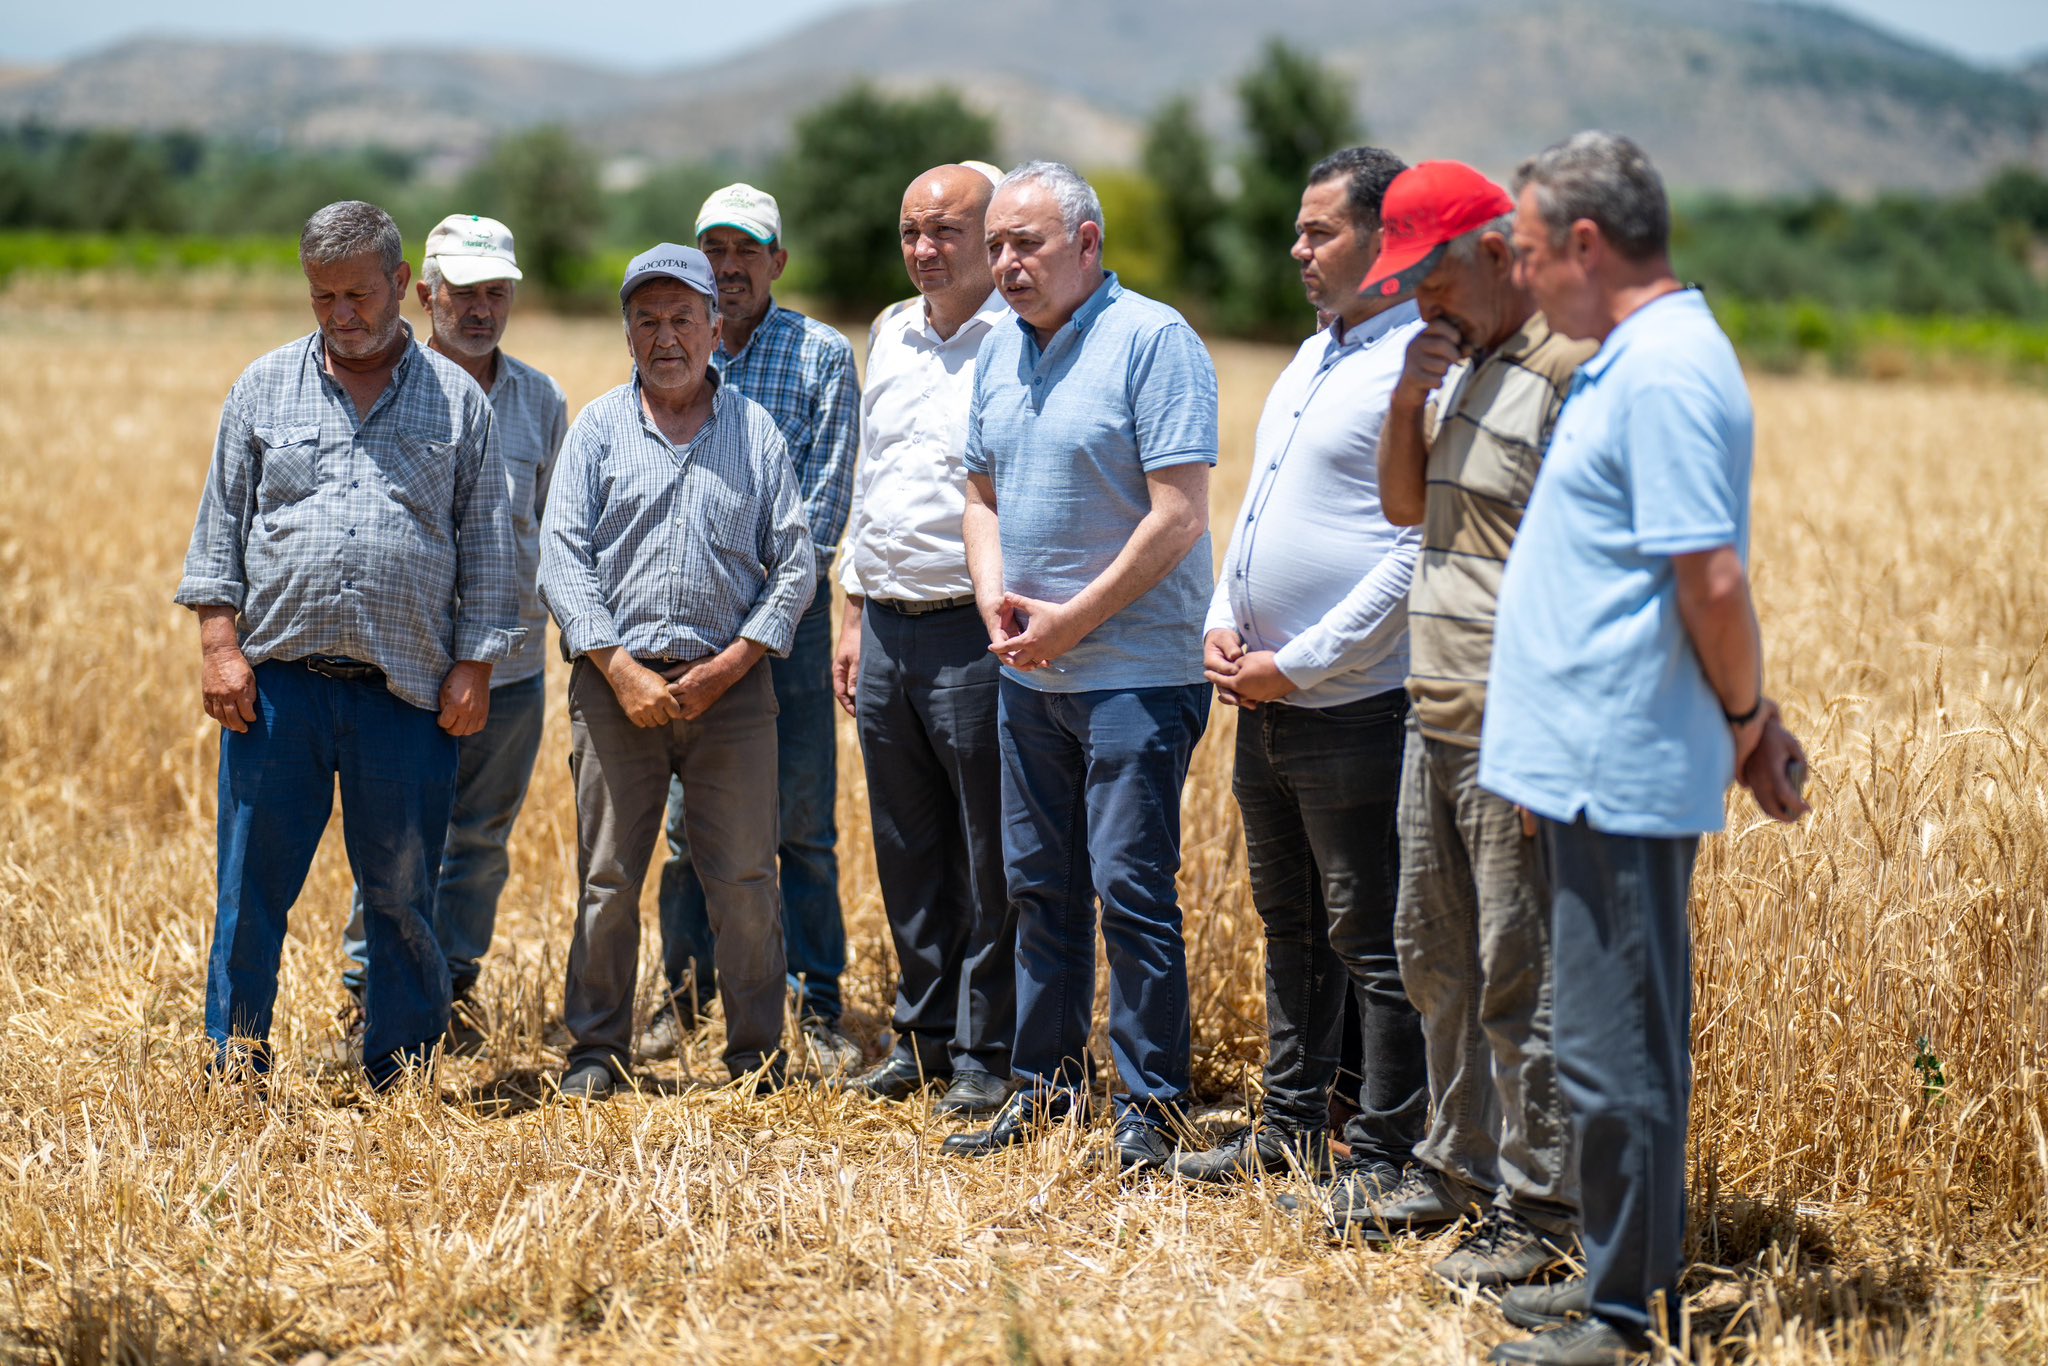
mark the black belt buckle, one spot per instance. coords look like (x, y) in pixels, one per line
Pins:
(342, 669)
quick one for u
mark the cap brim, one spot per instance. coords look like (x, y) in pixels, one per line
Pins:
(634, 282)
(463, 271)
(1399, 272)
(753, 230)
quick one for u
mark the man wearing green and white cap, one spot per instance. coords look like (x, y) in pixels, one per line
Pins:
(802, 372)
(467, 286)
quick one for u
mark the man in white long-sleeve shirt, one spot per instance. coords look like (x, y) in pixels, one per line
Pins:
(1308, 634)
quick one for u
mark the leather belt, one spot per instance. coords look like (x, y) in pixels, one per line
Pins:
(343, 668)
(665, 666)
(919, 609)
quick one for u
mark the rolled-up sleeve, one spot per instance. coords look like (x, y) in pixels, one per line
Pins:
(1367, 624)
(786, 553)
(486, 558)
(568, 558)
(214, 575)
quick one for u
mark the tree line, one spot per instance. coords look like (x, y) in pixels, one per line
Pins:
(1202, 221)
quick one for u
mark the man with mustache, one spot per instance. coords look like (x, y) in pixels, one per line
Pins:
(354, 575)
(674, 558)
(802, 372)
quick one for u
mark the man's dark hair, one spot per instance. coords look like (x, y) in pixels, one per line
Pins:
(1606, 178)
(1367, 171)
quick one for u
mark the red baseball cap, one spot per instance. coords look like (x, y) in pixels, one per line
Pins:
(1425, 208)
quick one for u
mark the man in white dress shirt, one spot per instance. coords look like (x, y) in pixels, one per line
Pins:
(1308, 634)
(914, 669)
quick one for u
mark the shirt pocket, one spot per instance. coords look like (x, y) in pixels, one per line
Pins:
(289, 465)
(421, 475)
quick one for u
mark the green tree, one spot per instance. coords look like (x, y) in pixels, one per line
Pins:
(1295, 113)
(842, 185)
(1180, 160)
(541, 184)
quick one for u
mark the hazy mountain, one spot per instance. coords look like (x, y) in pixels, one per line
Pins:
(1737, 94)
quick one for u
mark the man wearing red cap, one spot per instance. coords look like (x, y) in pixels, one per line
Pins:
(1473, 927)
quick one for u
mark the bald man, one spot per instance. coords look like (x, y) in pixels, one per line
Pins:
(914, 669)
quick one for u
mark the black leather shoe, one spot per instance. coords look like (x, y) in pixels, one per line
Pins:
(1141, 1146)
(1354, 1181)
(1545, 1306)
(1257, 1151)
(1022, 1116)
(1588, 1342)
(974, 1094)
(1421, 1202)
(895, 1077)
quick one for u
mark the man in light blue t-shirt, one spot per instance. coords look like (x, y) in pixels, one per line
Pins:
(1089, 443)
(1626, 689)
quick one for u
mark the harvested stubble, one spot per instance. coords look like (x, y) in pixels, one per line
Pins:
(1847, 1208)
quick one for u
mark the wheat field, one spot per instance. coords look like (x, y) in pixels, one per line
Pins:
(1870, 1168)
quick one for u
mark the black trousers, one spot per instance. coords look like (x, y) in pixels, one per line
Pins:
(926, 707)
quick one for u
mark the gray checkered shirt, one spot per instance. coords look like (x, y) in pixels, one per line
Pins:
(674, 553)
(387, 540)
(529, 416)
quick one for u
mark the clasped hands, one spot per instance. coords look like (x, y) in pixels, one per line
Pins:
(1031, 633)
(1242, 677)
(683, 692)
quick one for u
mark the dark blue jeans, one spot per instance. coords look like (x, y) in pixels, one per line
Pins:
(927, 712)
(1622, 958)
(491, 778)
(397, 772)
(1091, 808)
(807, 777)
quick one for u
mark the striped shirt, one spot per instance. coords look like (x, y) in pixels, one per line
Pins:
(530, 417)
(384, 538)
(672, 552)
(1482, 467)
(802, 372)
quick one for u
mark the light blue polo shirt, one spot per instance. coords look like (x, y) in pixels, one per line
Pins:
(1596, 703)
(1068, 434)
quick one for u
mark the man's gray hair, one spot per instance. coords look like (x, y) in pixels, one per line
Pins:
(1465, 248)
(1607, 178)
(351, 228)
(1076, 197)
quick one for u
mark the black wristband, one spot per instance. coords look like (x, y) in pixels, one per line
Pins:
(1740, 721)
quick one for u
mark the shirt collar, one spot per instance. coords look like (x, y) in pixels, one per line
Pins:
(770, 321)
(317, 352)
(981, 320)
(647, 423)
(1105, 294)
(1618, 340)
(1373, 328)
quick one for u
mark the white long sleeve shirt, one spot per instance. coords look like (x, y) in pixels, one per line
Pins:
(1315, 572)
(903, 540)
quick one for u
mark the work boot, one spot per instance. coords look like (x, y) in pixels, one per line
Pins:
(1420, 1203)
(1504, 1250)
(1545, 1306)
(1257, 1150)
(1587, 1342)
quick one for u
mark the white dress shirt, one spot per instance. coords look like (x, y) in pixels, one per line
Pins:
(903, 540)
(1315, 572)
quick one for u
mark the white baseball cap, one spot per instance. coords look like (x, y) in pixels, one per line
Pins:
(471, 250)
(742, 206)
(993, 174)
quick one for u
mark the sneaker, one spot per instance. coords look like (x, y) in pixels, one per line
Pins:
(1421, 1202)
(1254, 1151)
(342, 1051)
(1545, 1306)
(831, 1051)
(1505, 1249)
(667, 1032)
(593, 1080)
(1587, 1342)
(1353, 1181)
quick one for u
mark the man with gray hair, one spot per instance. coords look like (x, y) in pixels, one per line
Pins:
(353, 572)
(468, 282)
(1089, 443)
(1627, 688)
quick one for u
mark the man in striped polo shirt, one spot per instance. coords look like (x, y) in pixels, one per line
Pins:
(1473, 924)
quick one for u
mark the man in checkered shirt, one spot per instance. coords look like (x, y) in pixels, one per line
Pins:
(354, 576)
(802, 372)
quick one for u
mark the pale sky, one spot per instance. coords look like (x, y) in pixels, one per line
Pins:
(604, 31)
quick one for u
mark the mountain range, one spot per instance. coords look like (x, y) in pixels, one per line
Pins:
(1740, 95)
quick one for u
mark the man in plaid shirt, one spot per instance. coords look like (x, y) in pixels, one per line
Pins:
(354, 576)
(802, 372)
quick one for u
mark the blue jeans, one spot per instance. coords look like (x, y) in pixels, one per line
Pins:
(397, 771)
(491, 778)
(1621, 956)
(1091, 808)
(807, 778)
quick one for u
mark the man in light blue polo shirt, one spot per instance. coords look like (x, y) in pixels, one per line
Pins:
(1626, 690)
(1089, 443)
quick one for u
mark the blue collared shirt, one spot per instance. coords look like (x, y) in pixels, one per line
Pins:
(1315, 572)
(1596, 702)
(674, 552)
(1067, 434)
(802, 372)
(529, 417)
(386, 538)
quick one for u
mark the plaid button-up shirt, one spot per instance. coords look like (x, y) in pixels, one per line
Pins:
(529, 416)
(802, 372)
(386, 539)
(674, 552)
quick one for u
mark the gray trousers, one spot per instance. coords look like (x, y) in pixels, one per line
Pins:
(727, 759)
(1473, 932)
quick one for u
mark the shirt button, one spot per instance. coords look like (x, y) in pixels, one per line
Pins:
(355, 483)
(1297, 412)
(351, 531)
